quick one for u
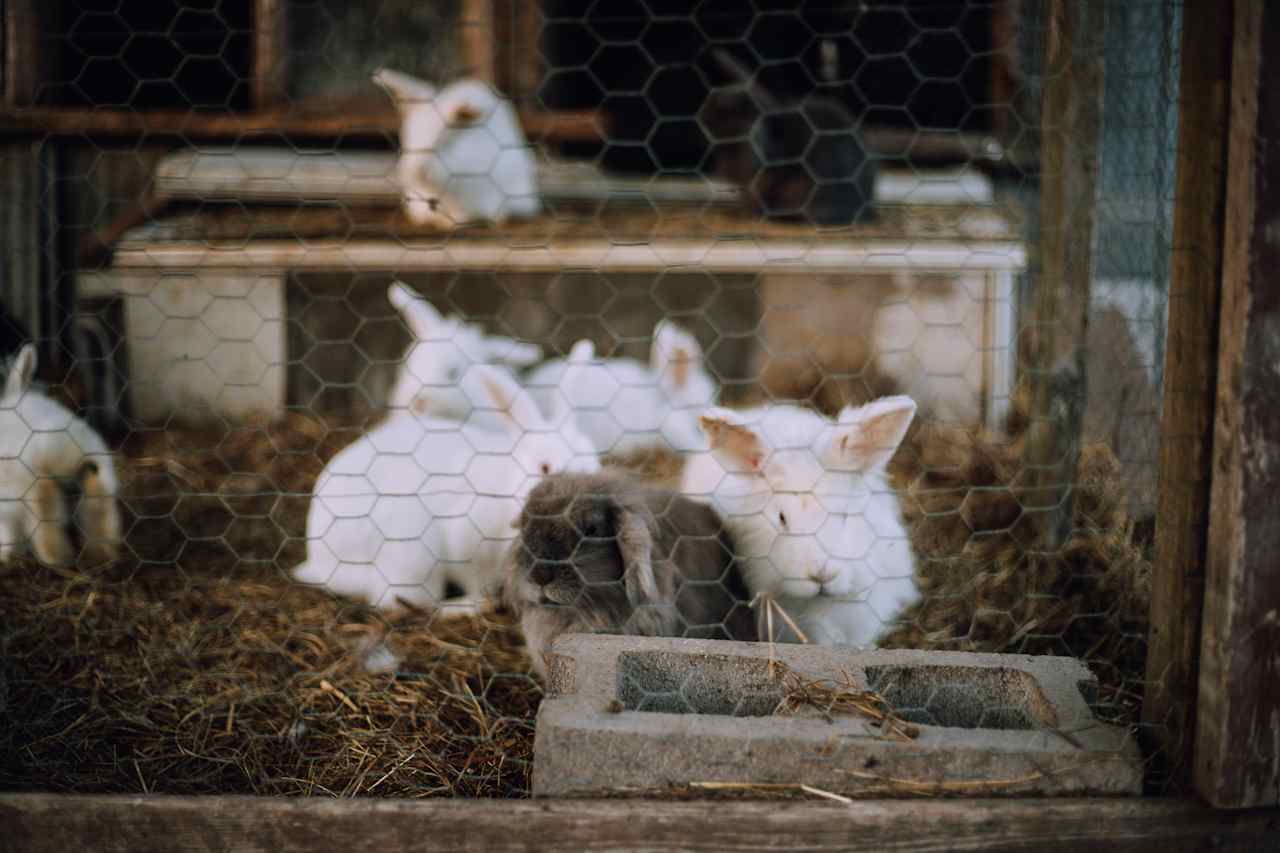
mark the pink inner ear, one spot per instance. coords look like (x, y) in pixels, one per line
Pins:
(681, 367)
(874, 440)
(739, 442)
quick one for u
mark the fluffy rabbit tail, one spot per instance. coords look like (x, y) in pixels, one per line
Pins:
(99, 515)
(45, 520)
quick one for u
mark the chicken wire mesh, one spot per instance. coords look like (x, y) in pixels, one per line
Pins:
(804, 252)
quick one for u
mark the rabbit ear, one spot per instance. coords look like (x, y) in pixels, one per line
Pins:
(866, 437)
(581, 355)
(741, 75)
(636, 547)
(501, 350)
(403, 88)
(733, 441)
(492, 388)
(424, 320)
(22, 372)
(675, 355)
(583, 352)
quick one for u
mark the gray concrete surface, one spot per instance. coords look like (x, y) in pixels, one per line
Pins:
(635, 715)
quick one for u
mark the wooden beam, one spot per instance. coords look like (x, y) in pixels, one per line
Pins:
(479, 52)
(449, 253)
(30, 53)
(1237, 751)
(53, 823)
(1190, 372)
(348, 121)
(1071, 119)
(269, 80)
(1002, 73)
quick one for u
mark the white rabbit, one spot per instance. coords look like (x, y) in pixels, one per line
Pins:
(43, 445)
(811, 513)
(463, 154)
(440, 354)
(623, 404)
(418, 502)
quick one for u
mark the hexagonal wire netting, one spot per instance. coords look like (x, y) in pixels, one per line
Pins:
(804, 247)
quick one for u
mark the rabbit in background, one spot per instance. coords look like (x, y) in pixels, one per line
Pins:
(795, 159)
(442, 350)
(419, 502)
(623, 404)
(463, 153)
(43, 445)
(808, 503)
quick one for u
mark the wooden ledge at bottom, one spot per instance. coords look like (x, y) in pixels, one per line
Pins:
(56, 823)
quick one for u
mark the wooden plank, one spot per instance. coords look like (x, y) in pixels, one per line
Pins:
(364, 177)
(1237, 751)
(657, 255)
(1190, 372)
(524, 63)
(354, 121)
(267, 85)
(479, 53)
(1002, 75)
(1056, 365)
(30, 55)
(48, 823)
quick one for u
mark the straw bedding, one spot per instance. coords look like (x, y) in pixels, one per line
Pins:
(196, 666)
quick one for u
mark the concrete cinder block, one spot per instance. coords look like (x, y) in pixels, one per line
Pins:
(640, 714)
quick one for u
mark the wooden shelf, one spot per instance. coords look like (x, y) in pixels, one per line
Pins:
(335, 121)
(355, 120)
(632, 238)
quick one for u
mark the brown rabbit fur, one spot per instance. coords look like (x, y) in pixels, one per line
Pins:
(607, 553)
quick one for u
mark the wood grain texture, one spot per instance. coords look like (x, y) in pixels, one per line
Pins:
(267, 85)
(479, 49)
(1237, 752)
(46, 823)
(1190, 374)
(30, 55)
(1071, 127)
(349, 121)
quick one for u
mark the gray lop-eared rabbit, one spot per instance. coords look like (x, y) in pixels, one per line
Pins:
(607, 553)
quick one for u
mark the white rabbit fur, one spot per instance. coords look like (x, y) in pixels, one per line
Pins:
(43, 445)
(623, 404)
(420, 501)
(811, 512)
(463, 154)
(442, 350)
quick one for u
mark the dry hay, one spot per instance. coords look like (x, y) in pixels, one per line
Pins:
(830, 698)
(988, 584)
(197, 667)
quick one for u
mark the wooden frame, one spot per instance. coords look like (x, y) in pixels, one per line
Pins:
(1237, 750)
(1219, 465)
(1190, 371)
(51, 823)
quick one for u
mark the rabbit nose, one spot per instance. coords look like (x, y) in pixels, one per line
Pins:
(543, 572)
(820, 576)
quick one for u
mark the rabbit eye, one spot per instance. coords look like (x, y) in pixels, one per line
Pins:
(546, 468)
(782, 519)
